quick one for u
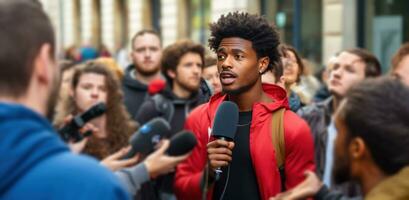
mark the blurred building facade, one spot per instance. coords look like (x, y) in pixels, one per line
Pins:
(317, 28)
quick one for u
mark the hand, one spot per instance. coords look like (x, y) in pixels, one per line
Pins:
(309, 187)
(219, 153)
(80, 145)
(159, 163)
(115, 162)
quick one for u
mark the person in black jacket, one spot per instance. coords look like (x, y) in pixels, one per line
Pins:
(146, 54)
(182, 65)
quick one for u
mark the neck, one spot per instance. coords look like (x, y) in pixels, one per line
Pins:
(180, 92)
(32, 103)
(245, 100)
(288, 89)
(147, 79)
(371, 177)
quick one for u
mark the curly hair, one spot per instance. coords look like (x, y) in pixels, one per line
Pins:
(263, 36)
(119, 125)
(172, 55)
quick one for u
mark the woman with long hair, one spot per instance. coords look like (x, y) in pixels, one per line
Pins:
(93, 83)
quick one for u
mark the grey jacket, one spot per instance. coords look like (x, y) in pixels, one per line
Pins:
(318, 117)
(133, 177)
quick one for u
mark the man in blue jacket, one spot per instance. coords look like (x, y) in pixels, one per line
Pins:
(35, 163)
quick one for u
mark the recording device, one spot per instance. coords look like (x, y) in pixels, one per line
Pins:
(181, 143)
(144, 140)
(225, 125)
(71, 130)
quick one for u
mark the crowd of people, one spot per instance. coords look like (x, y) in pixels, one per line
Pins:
(343, 137)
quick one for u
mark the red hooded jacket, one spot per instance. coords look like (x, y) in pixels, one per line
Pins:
(299, 149)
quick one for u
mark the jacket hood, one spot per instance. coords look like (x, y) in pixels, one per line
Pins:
(260, 109)
(26, 139)
(201, 96)
(129, 81)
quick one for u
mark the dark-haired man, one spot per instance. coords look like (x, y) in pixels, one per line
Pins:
(35, 162)
(182, 65)
(146, 55)
(246, 47)
(350, 68)
(371, 145)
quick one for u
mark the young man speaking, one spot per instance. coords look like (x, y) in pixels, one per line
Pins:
(246, 47)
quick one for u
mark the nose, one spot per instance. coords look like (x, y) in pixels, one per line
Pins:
(197, 70)
(95, 93)
(226, 64)
(336, 73)
(148, 53)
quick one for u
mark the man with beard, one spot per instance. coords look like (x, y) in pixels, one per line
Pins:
(371, 146)
(350, 68)
(246, 47)
(182, 65)
(35, 162)
(146, 54)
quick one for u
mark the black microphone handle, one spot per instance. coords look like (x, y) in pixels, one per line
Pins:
(219, 170)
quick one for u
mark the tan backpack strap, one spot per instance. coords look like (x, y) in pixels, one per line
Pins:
(278, 136)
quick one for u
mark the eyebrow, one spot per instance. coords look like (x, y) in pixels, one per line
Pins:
(235, 50)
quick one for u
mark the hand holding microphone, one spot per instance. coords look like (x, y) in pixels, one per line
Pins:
(220, 151)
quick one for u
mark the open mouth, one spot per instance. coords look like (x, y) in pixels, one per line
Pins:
(227, 78)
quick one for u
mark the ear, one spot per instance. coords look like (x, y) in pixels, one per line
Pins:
(171, 73)
(357, 148)
(263, 64)
(42, 66)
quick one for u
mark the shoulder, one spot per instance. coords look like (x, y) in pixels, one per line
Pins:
(80, 175)
(295, 126)
(198, 121)
(199, 113)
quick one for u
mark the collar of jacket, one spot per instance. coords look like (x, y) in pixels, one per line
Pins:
(261, 110)
(131, 82)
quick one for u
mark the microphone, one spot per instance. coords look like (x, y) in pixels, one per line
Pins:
(71, 130)
(181, 143)
(144, 140)
(225, 125)
(155, 86)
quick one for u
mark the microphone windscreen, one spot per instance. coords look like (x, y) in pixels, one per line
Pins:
(181, 143)
(94, 111)
(155, 86)
(144, 140)
(225, 121)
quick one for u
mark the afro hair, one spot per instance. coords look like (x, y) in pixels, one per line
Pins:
(264, 37)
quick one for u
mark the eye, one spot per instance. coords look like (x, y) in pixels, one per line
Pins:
(221, 57)
(238, 56)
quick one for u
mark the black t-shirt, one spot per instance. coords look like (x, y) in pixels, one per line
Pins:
(242, 181)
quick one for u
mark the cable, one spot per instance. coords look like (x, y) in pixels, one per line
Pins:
(227, 182)
(206, 183)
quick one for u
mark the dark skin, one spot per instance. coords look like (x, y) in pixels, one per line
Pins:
(240, 75)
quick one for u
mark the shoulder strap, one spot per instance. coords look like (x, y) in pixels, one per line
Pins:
(278, 136)
(277, 125)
